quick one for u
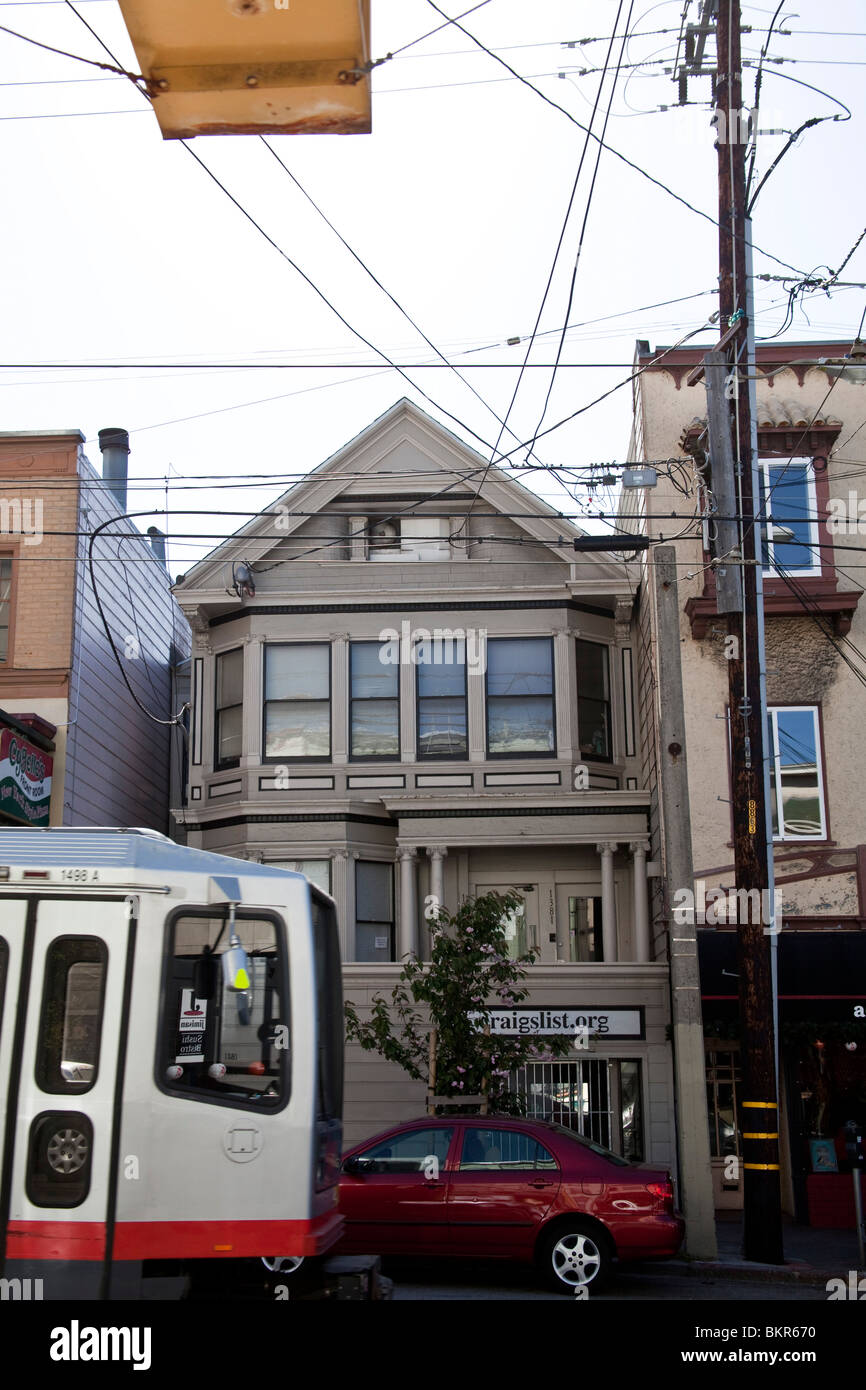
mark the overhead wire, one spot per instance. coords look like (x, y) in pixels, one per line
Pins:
(599, 149)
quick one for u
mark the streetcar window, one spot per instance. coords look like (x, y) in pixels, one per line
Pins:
(70, 1026)
(231, 1047)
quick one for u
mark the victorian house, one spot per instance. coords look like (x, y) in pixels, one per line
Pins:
(408, 685)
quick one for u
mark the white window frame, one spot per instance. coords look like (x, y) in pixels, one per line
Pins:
(773, 712)
(813, 567)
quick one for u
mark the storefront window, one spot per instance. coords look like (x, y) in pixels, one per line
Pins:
(723, 1078)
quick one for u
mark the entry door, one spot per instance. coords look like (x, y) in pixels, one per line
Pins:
(578, 922)
(64, 1062)
(13, 920)
(521, 931)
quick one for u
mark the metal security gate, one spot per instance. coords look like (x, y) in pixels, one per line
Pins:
(574, 1094)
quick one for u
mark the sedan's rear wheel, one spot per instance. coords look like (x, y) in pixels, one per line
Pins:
(575, 1256)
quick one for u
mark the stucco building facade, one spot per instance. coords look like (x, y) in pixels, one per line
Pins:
(809, 444)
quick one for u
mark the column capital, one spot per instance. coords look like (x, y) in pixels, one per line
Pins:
(607, 847)
(340, 854)
(407, 851)
(437, 852)
(639, 846)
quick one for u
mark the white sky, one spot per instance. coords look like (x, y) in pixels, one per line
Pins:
(116, 247)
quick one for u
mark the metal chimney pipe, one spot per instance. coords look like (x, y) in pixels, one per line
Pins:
(157, 544)
(114, 444)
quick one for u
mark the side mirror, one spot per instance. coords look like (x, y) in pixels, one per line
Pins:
(354, 1165)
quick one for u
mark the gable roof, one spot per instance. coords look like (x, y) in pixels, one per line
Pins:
(435, 456)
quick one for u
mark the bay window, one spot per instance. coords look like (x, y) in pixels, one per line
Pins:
(796, 774)
(228, 715)
(297, 712)
(374, 701)
(441, 698)
(520, 713)
(593, 701)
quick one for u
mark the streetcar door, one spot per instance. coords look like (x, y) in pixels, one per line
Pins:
(13, 922)
(67, 1055)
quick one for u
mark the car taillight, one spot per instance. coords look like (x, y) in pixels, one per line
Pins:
(664, 1191)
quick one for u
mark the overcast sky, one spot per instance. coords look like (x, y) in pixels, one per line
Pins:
(116, 247)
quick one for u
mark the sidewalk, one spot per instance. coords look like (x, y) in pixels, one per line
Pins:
(812, 1255)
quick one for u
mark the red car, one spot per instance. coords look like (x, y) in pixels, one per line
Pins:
(495, 1187)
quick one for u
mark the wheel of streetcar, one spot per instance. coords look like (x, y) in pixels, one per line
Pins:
(286, 1265)
(575, 1255)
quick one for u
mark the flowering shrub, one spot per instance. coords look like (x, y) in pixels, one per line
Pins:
(469, 965)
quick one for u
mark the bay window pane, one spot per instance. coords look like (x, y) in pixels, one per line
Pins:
(297, 672)
(373, 677)
(593, 703)
(230, 733)
(520, 695)
(442, 728)
(520, 726)
(519, 666)
(375, 729)
(230, 678)
(297, 705)
(297, 729)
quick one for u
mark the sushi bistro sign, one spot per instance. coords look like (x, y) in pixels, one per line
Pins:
(25, 779)
(554, 1023)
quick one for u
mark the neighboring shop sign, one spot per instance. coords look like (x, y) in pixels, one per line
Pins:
(553, 1022)
(25, 779)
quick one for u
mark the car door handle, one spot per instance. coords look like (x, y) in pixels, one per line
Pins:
(539, 1182)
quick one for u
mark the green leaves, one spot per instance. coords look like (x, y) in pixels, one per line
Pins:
(470, 972)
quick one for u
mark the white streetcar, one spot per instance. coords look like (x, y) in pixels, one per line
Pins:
(171, 1063)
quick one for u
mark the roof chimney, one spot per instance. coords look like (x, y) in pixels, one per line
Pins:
(114, 444)
(157, 544)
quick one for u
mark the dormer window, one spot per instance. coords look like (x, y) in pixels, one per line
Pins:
(384, 539)
(401, 537)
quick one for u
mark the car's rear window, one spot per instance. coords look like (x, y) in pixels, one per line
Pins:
(588, 1144)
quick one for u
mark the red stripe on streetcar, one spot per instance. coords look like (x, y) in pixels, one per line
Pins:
(173, 1240)
(55, 1240)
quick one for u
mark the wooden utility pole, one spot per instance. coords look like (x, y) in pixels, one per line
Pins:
(759, 1115)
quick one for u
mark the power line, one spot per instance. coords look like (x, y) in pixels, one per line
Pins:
(601, 146)
(705, 215)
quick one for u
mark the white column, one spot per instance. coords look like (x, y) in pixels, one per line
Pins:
(341, 865)
(608, 902)
(641, 903)
(253, 702)
(407, 939)
(339, 698)
(437, 874)
(565, 686)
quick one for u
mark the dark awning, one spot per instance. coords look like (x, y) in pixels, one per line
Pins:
(821, 974)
